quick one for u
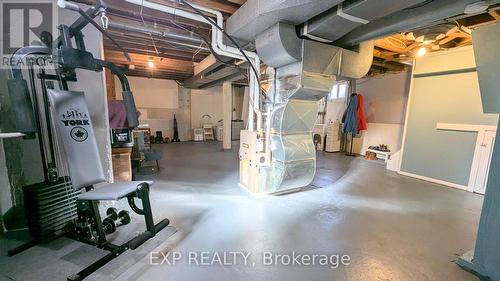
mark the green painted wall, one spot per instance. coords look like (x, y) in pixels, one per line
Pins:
(455, 98)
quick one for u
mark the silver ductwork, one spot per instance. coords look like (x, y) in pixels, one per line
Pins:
(255, 16)
(214, 71)
(350, 15)
(305, 73)
(430, 13)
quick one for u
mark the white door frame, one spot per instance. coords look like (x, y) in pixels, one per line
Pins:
(481, 130)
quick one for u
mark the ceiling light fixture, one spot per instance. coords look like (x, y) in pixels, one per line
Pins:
(151, 63)
(422, 51)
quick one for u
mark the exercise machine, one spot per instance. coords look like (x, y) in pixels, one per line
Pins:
(66, 203)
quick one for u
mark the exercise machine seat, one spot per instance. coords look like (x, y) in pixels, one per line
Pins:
(113, 191)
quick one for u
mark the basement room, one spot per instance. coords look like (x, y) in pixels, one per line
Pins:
(280, 140)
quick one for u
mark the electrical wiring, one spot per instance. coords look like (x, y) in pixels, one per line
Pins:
(150, 36)
(210, 20)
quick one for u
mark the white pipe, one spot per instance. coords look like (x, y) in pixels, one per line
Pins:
(255, 93)
(224, 50)
(169, 10)
(217, 44)
(11, 135)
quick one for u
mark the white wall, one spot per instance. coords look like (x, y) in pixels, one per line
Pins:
(151, 93)
(207, 101)
(158, 100)
(334, 110)
(385, 99)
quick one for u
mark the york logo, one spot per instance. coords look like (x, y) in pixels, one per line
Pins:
(24, 21)
(76, 122)
(75, 117)
(74, 113)
(79, 134)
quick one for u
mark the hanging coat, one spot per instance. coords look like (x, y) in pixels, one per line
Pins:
(350, 117)
(360, 115)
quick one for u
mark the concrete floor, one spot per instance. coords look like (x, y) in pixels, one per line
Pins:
(392, 227)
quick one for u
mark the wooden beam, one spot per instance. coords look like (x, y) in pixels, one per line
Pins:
(110, 84)
(158, 75)
(410, 48)
(453, 36)
(166, 26)
(147, 43)
(239, 2)
(391, 66)
(384, 55)
(222, 6)
(494, 14)
(143, 38)
(139, 60)
(395, 43)
(151, 53)
(132, 11)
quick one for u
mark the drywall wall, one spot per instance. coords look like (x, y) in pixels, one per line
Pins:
(158, 100)
(379, 133)
(452, 98)
(385, 97)
(334, 110)
(206, 101)
(385, 100)
(151, 93)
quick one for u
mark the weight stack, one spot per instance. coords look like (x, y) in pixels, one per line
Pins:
(50, 207)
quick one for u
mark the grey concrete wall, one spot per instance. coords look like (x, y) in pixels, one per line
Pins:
(5, 201)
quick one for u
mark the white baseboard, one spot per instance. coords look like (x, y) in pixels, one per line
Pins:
(441, 182)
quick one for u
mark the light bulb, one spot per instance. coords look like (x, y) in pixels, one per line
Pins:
(422, 51)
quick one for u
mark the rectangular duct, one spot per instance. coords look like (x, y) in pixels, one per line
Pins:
(305, 73)
(255, 16)
(349, 15)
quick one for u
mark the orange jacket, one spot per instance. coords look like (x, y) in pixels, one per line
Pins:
(360, 115)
